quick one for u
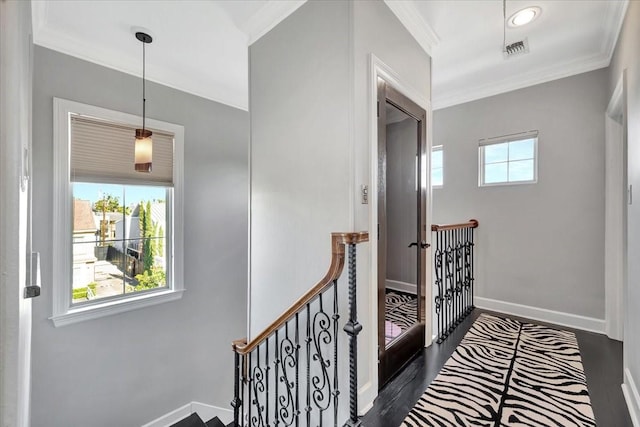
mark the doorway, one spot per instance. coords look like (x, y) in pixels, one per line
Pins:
(402, 231)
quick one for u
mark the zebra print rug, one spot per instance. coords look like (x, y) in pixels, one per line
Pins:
(401, 309)
(400, 312)
(508, 373)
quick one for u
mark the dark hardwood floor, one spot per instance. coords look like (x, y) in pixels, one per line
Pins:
(601, 358)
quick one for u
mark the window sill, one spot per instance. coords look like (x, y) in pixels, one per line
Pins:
(80, 314)
(500, 184)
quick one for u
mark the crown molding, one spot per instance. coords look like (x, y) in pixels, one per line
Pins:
(520, 81)
(267, 17)
(45, 36)
(413, 21)
(614, 21)
(39, 12)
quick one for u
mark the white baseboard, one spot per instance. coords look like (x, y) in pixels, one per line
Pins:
(632, 397)
(575, 321)
(206, 412)
(366, 396)
(401, 286)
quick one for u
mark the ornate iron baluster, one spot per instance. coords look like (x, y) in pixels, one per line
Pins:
(267, 368)
(472, 270)
(236, 402)
(249, 389)
(258, 388)
(277, 387)
(353, 328)
(458, 288)
(308, 341)
(335, 318)
(467, 263)
(243, 391)
(440, 258)
(321, 382)
(450, 285)
(289, 361)
(297, 371)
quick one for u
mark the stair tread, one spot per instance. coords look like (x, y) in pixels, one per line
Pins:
(215, 422)
(192, 420)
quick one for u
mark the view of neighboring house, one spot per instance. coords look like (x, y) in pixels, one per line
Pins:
(108, 246)
(84, 243)
(128, 231)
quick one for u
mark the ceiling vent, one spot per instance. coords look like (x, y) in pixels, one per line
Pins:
(516, 48)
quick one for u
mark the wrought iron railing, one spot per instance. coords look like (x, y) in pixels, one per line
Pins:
(289, 374)
(453, 266)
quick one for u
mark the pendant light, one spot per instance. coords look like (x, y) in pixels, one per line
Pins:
(143, 144)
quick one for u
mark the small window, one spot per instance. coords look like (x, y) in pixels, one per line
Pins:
(437, 167)
(510, 161)
(117, 232)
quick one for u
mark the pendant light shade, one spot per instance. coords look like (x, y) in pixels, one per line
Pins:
(143, 143)
(143, 150)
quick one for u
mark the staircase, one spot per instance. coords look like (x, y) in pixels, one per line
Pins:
(194, 420)
(288, 374)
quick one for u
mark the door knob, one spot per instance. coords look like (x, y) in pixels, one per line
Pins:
(412, 244)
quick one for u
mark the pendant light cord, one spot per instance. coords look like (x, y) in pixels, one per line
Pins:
(144, 98)
(504, 24)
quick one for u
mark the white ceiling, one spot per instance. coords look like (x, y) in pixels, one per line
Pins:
(201, 46)
(465, 40)
(198, 47)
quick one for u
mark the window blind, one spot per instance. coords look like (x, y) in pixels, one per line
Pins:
(103, 151)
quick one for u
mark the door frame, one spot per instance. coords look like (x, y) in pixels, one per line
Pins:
(616, 197)
(391, 358)
(16, 65)
(378, 69)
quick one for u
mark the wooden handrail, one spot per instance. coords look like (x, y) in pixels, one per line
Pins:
(338, 240)
(472, 223)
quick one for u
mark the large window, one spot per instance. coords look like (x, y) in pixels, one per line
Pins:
(117, 232)
(437, 167)
(507, 160)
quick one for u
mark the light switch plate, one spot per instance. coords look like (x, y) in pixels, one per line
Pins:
(364, 191)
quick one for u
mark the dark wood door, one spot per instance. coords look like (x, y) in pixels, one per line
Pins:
(402, 234)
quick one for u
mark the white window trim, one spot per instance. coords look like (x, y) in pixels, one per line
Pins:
(438, 148)
(63, 312)
(502, 140)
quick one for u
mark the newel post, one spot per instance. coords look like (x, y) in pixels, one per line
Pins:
(353, 328)
(237, 400)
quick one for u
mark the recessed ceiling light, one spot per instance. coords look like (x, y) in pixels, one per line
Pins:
(524, 16)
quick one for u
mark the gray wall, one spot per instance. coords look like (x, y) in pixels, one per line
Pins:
(310, 150)
(627, 56)
(539, 245)
(127, 369)
(300, 164)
